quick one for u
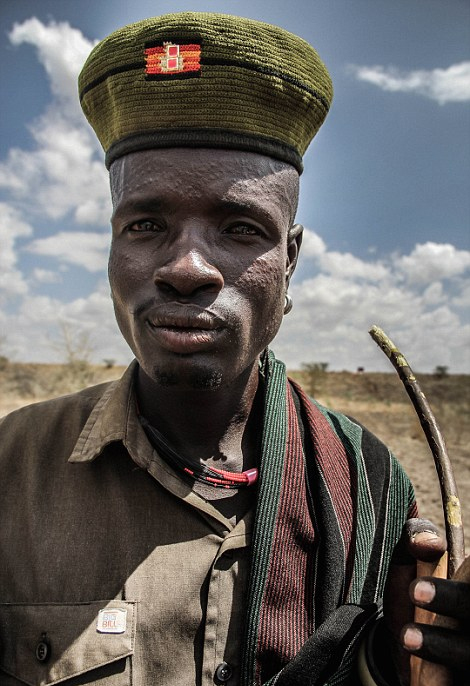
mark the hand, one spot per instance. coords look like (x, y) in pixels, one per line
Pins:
(447, 641)
(448, 646)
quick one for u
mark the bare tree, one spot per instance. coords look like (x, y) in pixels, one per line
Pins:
(4, 359)
(76, 349)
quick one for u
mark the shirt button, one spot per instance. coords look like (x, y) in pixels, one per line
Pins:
(43, 650)
(223, 673)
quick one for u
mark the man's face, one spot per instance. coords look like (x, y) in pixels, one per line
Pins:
(200, 258)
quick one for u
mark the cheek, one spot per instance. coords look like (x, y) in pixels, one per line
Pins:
(263, 284)
(125, 272)
(126, 279)
(265, 277)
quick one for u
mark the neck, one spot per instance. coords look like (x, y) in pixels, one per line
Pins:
(218, 427)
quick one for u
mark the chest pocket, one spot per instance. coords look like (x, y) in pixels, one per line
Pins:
(77, 643)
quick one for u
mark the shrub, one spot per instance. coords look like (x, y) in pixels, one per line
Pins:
(313, 376)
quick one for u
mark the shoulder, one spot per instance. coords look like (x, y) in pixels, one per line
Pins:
(377, 476)
(49, 422)
(368, 454)
(77, 403)
(356, 434)
(378, 465)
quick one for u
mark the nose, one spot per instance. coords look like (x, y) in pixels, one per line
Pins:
(187, 273)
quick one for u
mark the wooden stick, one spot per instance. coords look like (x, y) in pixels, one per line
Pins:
(449, 494)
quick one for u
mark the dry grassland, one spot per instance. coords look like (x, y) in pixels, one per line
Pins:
(378, 401)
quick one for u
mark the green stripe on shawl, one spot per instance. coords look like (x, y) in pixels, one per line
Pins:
(271, 469)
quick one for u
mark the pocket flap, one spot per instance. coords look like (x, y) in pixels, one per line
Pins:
(45, 644)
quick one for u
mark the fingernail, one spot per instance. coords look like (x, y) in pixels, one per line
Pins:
(412, 638)
(424, 537)
(424, 592)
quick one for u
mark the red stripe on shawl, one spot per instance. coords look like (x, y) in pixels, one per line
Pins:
(285, 621)
(413, 510)
(339, 474)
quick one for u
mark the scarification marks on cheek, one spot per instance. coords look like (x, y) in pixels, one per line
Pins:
(262, 287)
(127, 275)
(265, 274)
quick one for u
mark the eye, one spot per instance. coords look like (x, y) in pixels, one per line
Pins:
(243, 229)
(144, 226)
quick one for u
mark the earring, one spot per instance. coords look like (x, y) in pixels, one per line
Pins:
(288, 304)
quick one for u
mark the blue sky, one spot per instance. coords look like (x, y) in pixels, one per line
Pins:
(385, 193)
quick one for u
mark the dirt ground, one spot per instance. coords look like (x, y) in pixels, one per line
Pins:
(378, 401)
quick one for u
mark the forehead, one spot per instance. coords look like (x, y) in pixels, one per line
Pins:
(183, 174)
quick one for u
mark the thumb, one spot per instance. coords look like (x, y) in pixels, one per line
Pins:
(423, 540)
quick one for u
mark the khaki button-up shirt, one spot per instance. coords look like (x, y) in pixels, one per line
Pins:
(112, 570)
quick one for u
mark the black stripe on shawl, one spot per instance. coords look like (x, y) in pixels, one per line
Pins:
(323, 653)
(377, 460)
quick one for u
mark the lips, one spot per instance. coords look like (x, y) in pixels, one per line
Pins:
(184, 329)
(188, 318)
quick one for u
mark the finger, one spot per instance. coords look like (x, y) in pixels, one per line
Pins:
(436, 644)
(423, 540)
(398, 607)
(448, 598)
(399, 610)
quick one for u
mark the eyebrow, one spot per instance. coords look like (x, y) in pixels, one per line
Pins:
(150, 204)
(156, 204)
(245, 206)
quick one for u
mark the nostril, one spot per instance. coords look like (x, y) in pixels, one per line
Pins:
(165, 287)
(184, 291)
(189, 274)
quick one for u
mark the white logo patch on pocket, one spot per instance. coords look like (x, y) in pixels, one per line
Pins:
(111, 621)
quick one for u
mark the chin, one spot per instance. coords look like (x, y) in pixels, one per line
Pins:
(191, 377)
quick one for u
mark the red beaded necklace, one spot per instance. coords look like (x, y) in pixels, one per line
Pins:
(219, 478)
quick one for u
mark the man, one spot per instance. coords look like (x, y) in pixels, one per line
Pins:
(202, 521)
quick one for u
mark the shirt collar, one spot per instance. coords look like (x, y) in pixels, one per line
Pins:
(114, 418)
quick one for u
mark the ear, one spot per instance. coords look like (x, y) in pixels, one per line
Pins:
(294, 240)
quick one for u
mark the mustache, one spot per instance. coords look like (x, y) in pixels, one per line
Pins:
(179, 315)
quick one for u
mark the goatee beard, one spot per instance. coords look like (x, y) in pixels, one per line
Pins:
(199, 379)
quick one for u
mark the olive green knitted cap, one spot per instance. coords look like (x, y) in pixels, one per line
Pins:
(205, 80)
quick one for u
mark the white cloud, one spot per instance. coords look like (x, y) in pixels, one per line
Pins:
(312, 244)
(34, 333)
(85, 249)
(463, 298)
(61, 174)
(45, 276)
(12, 227)
(443, 85)
(347, 265)
(418, 299)
(62, 50)
(434, 294)
(431, 262)
(64, 171)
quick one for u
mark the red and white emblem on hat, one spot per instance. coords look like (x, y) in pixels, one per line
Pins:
(172, 58)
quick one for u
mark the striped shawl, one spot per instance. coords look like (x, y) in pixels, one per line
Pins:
(331, 505)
